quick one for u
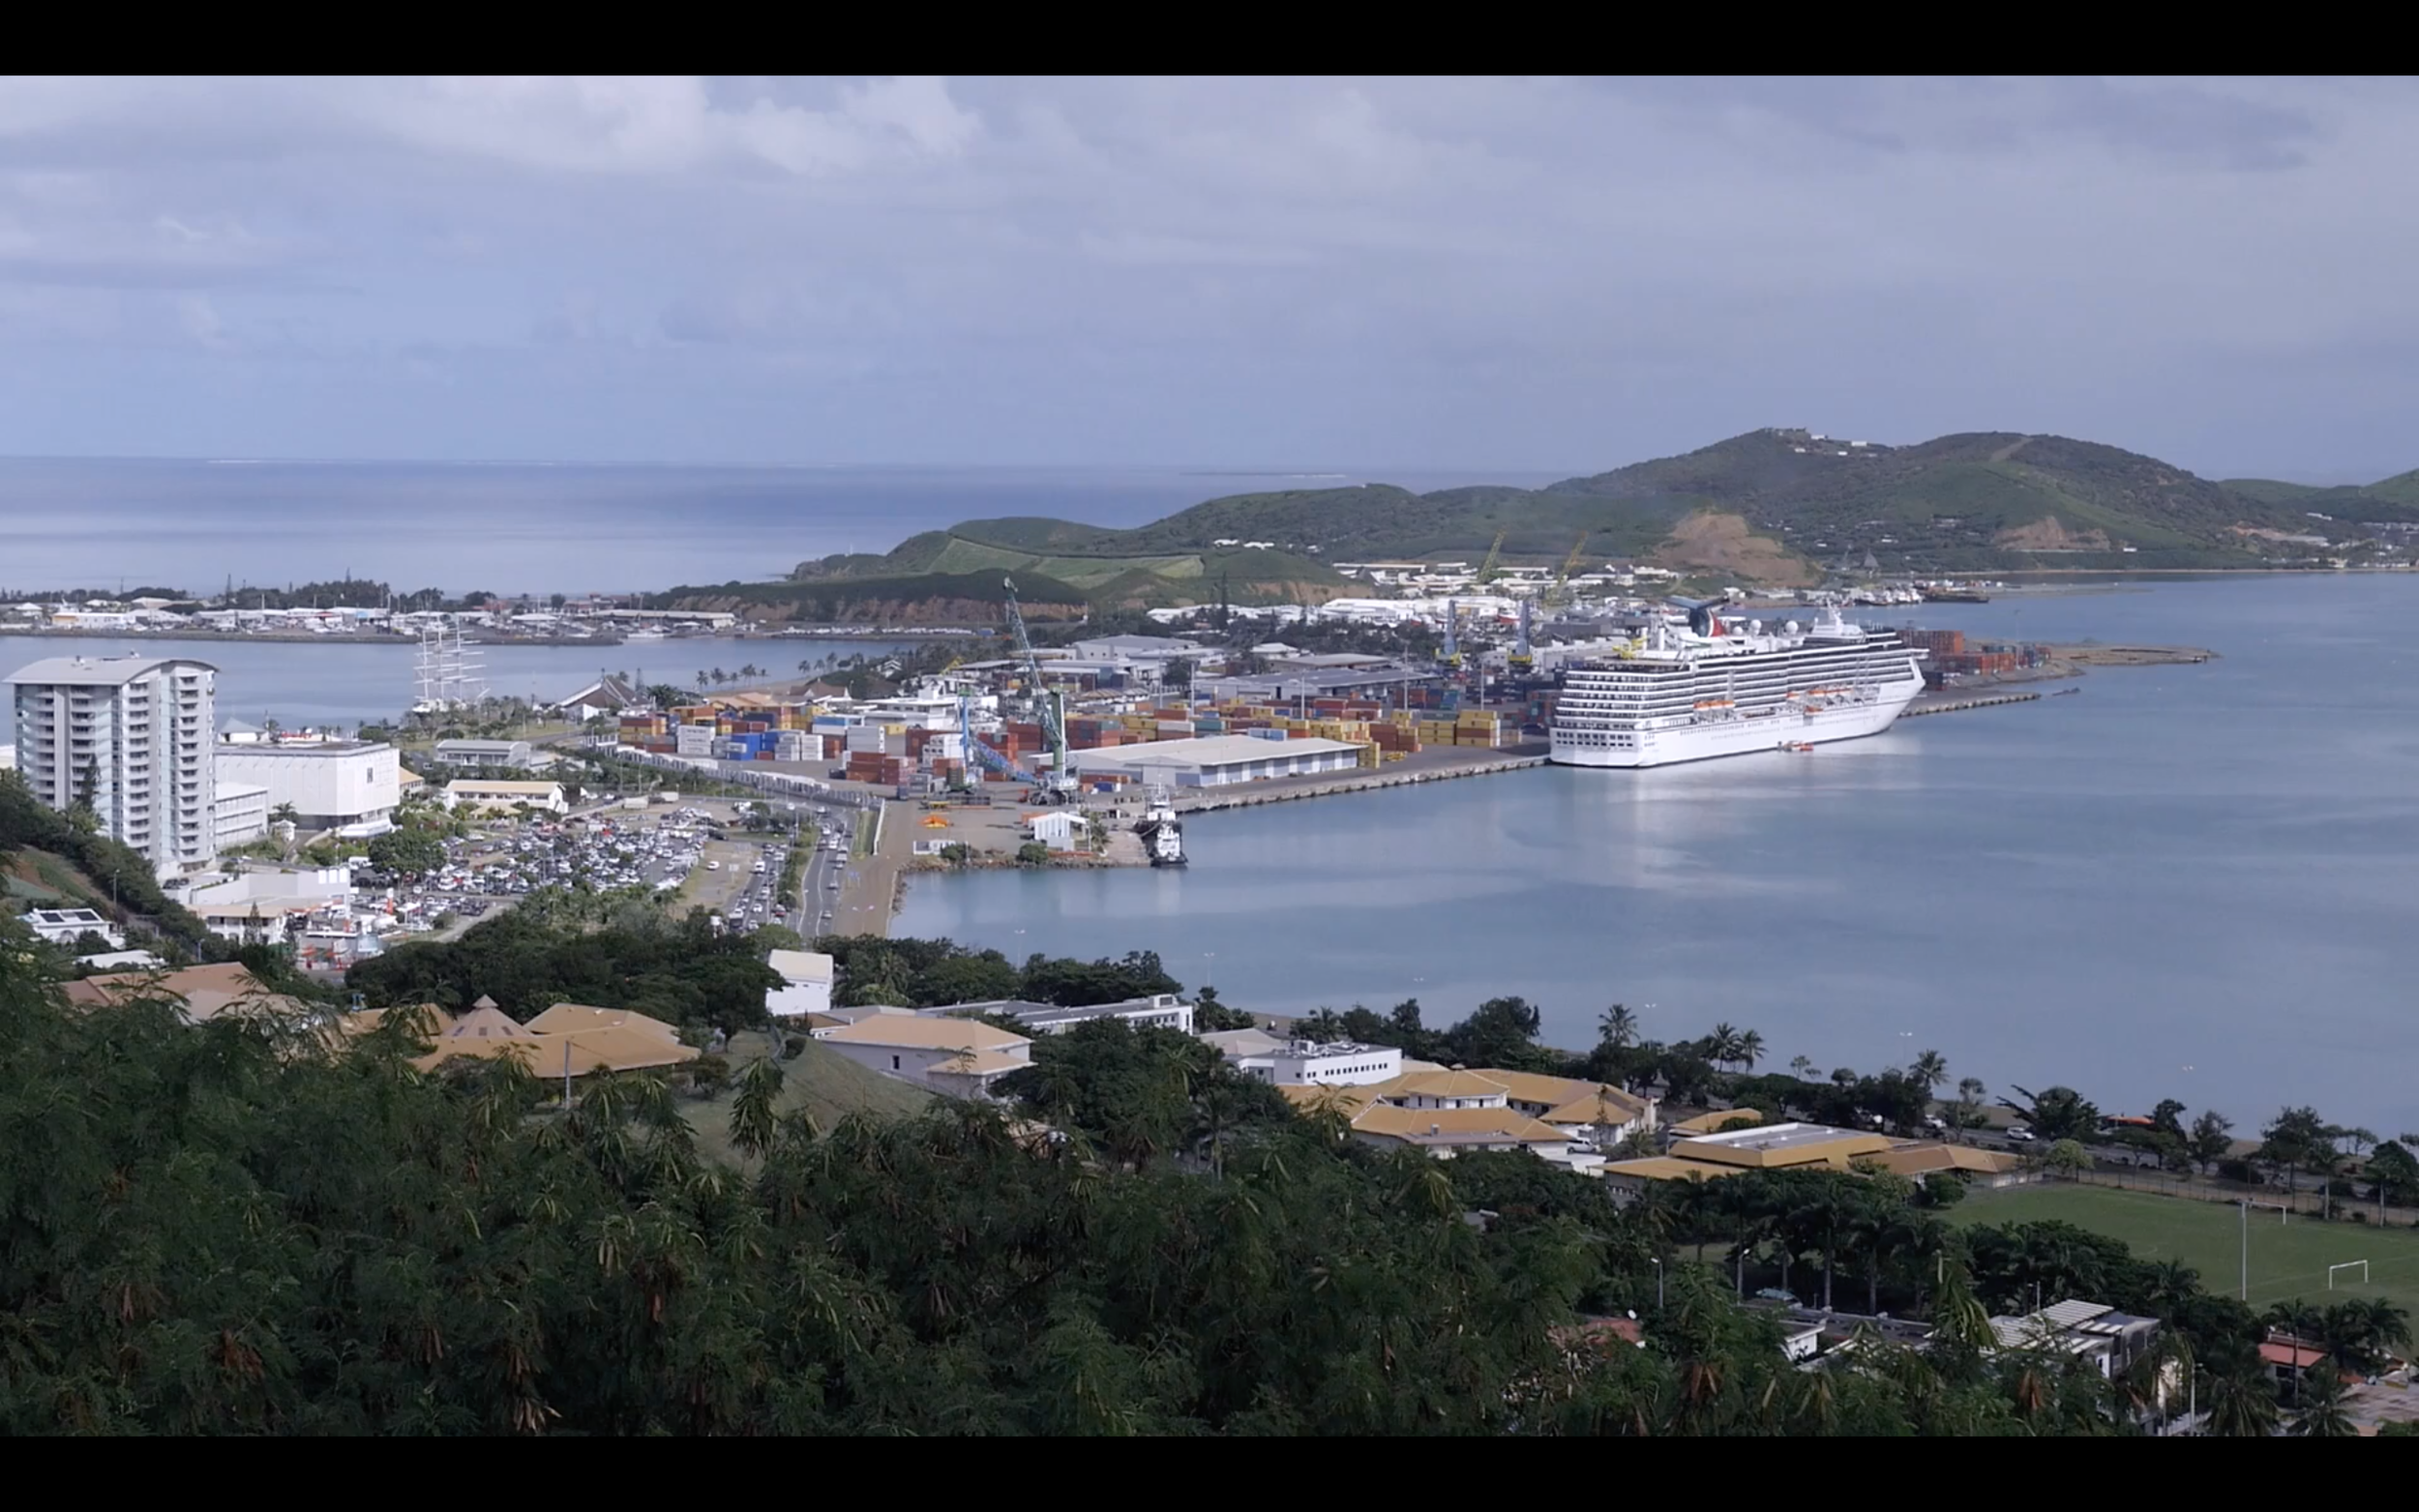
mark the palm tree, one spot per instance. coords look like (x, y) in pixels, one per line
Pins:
(2322, 1415)
(1617, 1027)
(2242, 1404)
(1750, 1048)
(1932, 1068)
(1721, 1047)
(1970, 1094)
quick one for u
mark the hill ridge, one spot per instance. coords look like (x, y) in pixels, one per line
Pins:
(1781, 501)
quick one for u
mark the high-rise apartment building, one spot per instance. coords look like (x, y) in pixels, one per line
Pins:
(133, 736)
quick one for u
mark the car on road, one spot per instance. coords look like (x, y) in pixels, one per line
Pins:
(2021, 1134)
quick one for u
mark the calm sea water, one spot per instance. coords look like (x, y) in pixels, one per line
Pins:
(535, 528)
(2195, 881)
(322, 684)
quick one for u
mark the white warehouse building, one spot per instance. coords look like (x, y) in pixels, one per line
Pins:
(348, 786)
(1216, 761)
(136, 732)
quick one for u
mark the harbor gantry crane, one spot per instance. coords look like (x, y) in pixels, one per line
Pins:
(1560, 590)
(1494, 555)
(1523, 657)
(1060, 785)
(1451, 656)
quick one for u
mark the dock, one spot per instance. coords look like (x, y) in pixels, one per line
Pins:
(1253, 795)
(1959, 704)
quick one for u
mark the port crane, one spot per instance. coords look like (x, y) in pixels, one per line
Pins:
(1059, 784)
(1494, 556)
(983, 753)
(1523, 657)
(1560, 590)
(1451, 655)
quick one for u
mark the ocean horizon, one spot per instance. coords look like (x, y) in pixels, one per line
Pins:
(206, 524)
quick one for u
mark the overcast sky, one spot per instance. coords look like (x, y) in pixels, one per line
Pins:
(1514, 274)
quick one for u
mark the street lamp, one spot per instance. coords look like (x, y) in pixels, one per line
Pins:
(1658, 1281)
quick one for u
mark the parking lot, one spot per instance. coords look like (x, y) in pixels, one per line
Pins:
(695, 855)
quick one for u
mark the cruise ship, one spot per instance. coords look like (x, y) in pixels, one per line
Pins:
(1718, 689)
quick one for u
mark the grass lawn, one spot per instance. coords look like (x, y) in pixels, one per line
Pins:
(2287, 1260)
(824, 1081)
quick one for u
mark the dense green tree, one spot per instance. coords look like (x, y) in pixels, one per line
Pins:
(2212, 1136)
(2394, 1173)
(407, 852)
(2058, 1114)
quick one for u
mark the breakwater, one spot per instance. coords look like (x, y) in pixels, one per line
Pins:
(1286, 789)
(1955, 703)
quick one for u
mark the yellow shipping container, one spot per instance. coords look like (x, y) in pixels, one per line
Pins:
(1369, 755)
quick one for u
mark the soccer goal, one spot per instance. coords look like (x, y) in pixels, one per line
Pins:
(2360, 1265)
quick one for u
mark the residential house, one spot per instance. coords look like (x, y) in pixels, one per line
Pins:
(567, 1039)
(201, 992)
(607, 695)
(805, 984)
(2092, 1331)
(1457, 1110)
(959, 1058)
(67, 926)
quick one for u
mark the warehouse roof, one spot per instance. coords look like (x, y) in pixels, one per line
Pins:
(917, 1033)
(106, 671)
(1456, 1125)
(1207, 751)
(1783, 1145)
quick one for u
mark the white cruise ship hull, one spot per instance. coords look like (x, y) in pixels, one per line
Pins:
(1747, 734)
(1744, 733)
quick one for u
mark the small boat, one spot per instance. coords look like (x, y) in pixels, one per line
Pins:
(2063, 692)
(1799, 747)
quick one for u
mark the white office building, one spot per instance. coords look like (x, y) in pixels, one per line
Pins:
(1309, 1063)
(241, 813)
(348, 786)
(138, 734)
(504, 753)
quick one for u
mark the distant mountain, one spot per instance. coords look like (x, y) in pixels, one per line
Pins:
(1777, 506)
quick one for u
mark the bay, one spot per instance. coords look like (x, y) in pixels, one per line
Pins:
(2188, 882)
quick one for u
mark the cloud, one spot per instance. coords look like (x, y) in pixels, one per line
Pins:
(670, 124)
(1547, 273)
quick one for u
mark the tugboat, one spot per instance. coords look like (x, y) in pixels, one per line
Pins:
(1162, 832)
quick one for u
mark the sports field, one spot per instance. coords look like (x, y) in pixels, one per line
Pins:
(2287, 1260)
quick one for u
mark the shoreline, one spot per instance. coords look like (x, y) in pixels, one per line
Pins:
(379, 637)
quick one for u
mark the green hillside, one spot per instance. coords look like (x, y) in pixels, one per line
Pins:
(819, 1082)
(1980, 501)
(2270, 490)
(1775, 506)
(926, 598)
(48, 858)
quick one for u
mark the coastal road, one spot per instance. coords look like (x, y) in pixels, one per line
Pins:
(870, 885)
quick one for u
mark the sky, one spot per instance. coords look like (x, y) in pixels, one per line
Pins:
(1535, 274)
